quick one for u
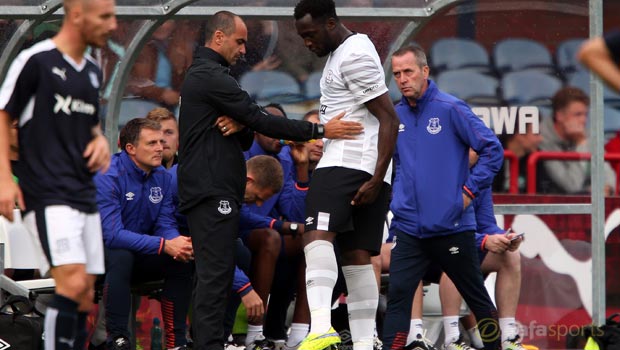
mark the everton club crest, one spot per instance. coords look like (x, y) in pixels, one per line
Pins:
(433, 126)
(156, 196)
(224, 208)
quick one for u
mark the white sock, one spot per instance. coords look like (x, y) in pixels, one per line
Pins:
(298, 332)
(362, 302)
(451, 329)
(508, 326)
(253, 331)
(321, 276)
(475, 338)
(415, 327)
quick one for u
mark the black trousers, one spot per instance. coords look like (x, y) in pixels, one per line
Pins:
(458, 258)
(213, 225)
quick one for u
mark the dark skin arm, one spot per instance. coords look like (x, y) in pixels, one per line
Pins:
(382, 108)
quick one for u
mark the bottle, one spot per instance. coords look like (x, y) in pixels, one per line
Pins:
(156, 335)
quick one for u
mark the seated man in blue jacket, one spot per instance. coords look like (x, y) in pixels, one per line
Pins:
(270, 231)
(140, 233)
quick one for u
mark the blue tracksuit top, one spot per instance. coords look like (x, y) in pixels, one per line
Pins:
(241, 282)
(432, 165)
(288, 204)
(136, 209)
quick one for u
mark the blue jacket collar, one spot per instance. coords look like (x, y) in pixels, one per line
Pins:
(133, 169)
(430, 92)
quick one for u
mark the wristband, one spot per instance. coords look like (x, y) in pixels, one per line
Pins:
(320, 131)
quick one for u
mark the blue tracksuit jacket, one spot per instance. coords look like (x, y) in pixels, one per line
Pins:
(136, 209)
(432, 165)
(288, 204)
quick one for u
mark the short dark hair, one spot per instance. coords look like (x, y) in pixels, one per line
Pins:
(416, 50)
(221, 20)
(310, 113)
(276, 106)
(565, 96)
(160, 114)
(316, 8)
(267, 172)
(130, 133)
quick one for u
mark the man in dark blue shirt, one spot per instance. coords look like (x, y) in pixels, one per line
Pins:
(52, 89)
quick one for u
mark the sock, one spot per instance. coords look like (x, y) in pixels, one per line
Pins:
(61, 323)
(415, 327)
(475, 338)
(362, 303)
(298, 332)
(508, 326)
(82, 333)
(253, 331)
(451, 329)
(321, 276)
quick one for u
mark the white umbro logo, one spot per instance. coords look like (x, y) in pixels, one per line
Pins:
(309, 220)
(401, 128)
(4, 345)
(62, 73)
(454, 250)
(129, 196)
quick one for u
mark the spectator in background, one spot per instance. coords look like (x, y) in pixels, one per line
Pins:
(521, 145)
(602, 56)
(160, 68)
(141, 236)
(567, 132)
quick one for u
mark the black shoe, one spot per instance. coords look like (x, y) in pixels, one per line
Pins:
(120, 343)
(421, 343)
(92, 346)
(261, 343)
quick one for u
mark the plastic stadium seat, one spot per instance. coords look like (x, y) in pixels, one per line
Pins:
(520, 54)
(456, 53)
(472, 87)
(312, 86)
(271, 86)
(566, 56)
(581, 79)
(529, 87)
(134, 108)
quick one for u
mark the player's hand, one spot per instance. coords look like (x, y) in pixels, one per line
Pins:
(10, 193)
(299, 153)
(170, 97)
(228, 126)
(368, 192)
(514, 243)
(466, 201)
(180, 248)
(497, 243)
(98, 154)
(341, 129)
(253, 306)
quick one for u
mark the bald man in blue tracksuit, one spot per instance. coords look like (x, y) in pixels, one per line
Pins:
(433, 188)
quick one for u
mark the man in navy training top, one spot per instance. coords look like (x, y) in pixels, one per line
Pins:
(52, 88)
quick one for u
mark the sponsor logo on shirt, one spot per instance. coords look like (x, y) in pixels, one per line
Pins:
(62, 73)
(69, 105)
(370, 89)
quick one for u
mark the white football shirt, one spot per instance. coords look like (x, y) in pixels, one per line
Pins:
(353, 76)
